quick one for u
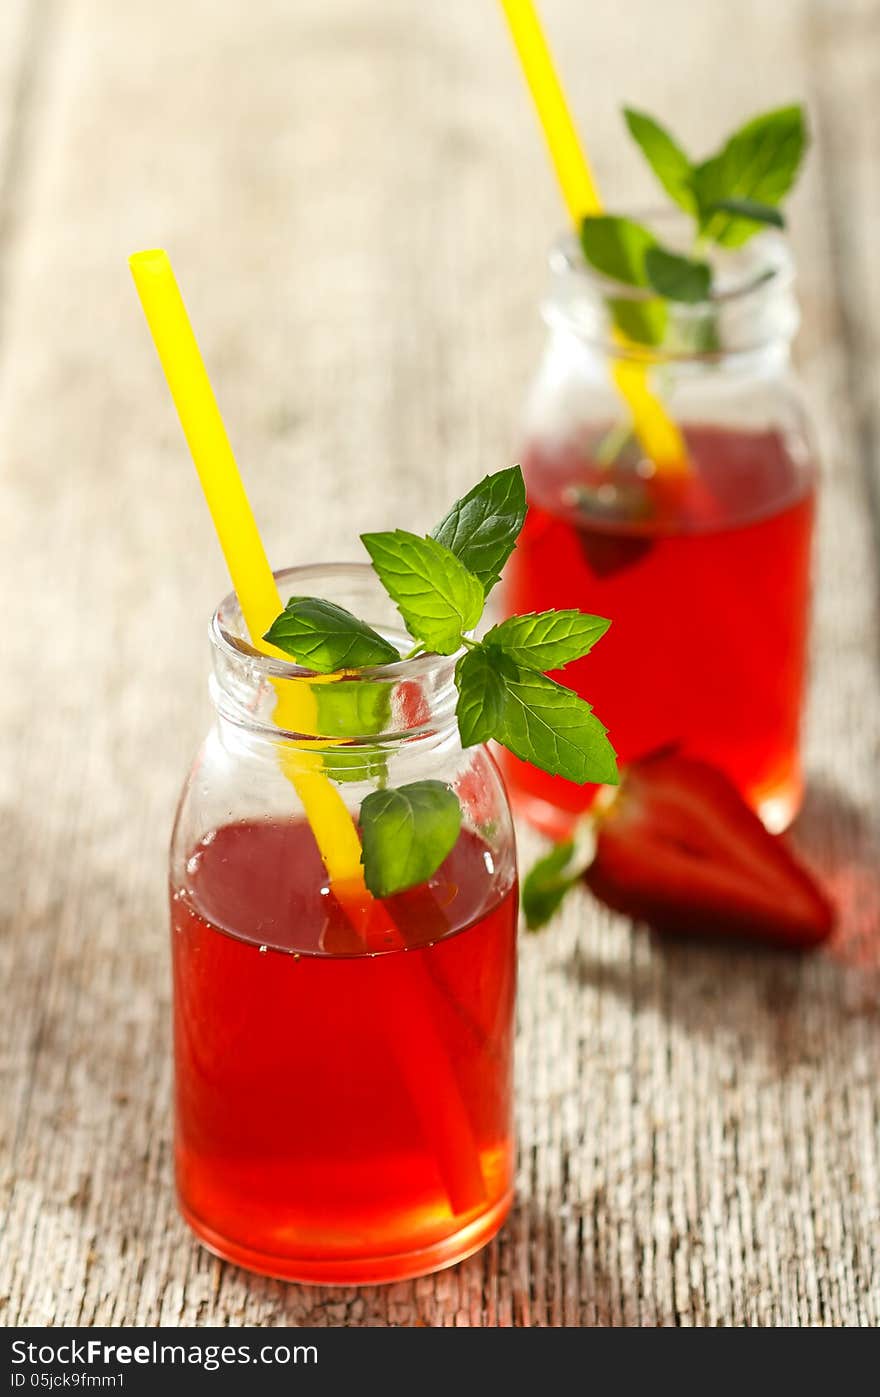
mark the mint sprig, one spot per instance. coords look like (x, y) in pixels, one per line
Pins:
(354, 706)
(547, 883)
(676, 277)
(618, 248)
(482, 527)
(665, 156)
(730, 196)
(436, 595)
(479, 678)
(750, 210)
(326, 638)
(542, 722)
(439, 584)
(407, 833)
(759, 162)
(547, 639)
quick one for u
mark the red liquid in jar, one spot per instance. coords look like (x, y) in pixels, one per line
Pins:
(706, 579)
(299, 1151)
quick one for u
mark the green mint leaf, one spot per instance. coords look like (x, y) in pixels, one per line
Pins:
(407, 833)
(760, 162)
(616, 247)
(353, 708)
(481, 696)
(436, 595)
(678, 278)
(547, 883)
(641, 321)
(550, 879)
(325, 637)
(481, 529)
(555, 729)
(699, 334)
(547, 639)
(750, 209)
(665, 156)
(535, 718)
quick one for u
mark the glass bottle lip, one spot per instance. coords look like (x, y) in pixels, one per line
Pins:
(243, 676)
(228, 632)
(752, 301)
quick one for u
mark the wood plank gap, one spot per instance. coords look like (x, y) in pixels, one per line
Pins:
(827, 26)
(38, 28)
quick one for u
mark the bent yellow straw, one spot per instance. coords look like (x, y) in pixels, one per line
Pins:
(243, 549)
(660, 437)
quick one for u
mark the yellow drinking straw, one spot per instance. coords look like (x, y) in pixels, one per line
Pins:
(242, 546)
(658, 434)
(413, 1038)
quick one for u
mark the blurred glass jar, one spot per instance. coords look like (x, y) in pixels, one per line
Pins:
(705, 573)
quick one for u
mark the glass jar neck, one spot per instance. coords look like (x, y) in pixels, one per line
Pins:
(269, 701)
(751, 316)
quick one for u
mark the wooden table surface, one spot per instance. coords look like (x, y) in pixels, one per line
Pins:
(358, 207)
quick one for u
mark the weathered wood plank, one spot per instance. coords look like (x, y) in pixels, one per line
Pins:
(25, 26)
(22, 24)
(846, 41)
(358, 207)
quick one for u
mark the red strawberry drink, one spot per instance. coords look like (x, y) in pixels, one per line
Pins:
(706, 578)
(702, 562)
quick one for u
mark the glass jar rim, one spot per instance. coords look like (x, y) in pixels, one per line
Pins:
(754, 286)
(237, 647)
(244, 682)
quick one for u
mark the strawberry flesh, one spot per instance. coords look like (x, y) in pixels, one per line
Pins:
(679, 848)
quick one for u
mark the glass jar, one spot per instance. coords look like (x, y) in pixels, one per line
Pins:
(705, 573)
(342, 1066)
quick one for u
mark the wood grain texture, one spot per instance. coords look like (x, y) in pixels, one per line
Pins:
(358, 207)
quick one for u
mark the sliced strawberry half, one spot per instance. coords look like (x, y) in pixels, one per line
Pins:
(678, 847)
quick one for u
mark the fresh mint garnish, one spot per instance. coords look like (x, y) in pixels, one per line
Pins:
(407, 833)
(553, 876)
(730, 196)
(643, 321)
(350, 707)
(326, 638)
(618, 247)
(547, 883)
(678, 278)
(546, 724)
(481, 696)
(750, 209)
(482, 527)
(545, 640)
(353, 707)
(535, 718)
(759, 162)
(665, 156)
(439, 584)
(436, 595)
